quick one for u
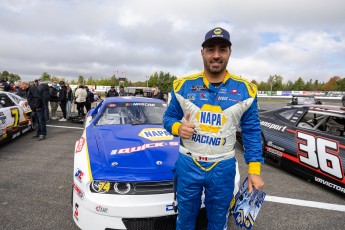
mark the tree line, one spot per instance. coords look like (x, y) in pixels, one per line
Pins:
(165, 82)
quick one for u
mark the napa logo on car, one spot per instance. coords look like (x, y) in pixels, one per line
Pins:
(156, 134)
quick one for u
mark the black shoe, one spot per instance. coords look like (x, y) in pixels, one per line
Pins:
(41, 138)
(34, 136)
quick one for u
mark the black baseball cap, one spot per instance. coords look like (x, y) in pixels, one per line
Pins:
(217, 33)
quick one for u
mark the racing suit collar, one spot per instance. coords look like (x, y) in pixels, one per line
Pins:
(209, 85)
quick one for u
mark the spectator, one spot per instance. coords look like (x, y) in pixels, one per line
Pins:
(343, 100)
(4, 86)
(122, 92)
(35, 101)
(63, 99)
(80, 99)
(18, 91)
(69, 102)
(43, 87)
(158, 94)
(54, 99)
(112, 92)
(318, 102)
(89, 99)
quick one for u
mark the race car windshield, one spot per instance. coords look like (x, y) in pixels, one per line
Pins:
(132, 113)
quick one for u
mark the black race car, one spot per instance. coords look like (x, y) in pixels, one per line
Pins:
(307, 140)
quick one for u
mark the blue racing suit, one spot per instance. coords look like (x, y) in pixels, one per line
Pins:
(206, 161)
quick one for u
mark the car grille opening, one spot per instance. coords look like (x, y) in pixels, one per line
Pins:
(162, 223)
(154, 187)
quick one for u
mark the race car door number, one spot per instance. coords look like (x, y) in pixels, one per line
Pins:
(319, 153)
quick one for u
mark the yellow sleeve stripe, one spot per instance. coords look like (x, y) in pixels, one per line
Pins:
(178, 83)
(254, 168)
(175, 127)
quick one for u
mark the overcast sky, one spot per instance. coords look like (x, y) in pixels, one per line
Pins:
(68, 38)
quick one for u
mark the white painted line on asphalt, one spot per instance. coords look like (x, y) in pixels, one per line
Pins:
(66, 127)
(306, 203)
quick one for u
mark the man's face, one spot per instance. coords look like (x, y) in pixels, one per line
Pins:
(215, 55)
(24, 86)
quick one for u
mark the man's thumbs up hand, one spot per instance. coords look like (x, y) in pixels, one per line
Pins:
(186, 130)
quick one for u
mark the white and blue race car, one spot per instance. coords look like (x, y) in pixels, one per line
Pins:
(123, 167)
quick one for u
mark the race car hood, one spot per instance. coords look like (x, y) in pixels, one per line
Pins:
(131, 153)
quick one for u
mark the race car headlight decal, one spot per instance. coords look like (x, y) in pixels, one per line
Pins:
(122, 188)
(100, 186)
(131, 188)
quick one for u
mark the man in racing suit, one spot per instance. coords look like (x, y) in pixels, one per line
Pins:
(206, 110)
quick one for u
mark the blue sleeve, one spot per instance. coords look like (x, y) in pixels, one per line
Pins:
(251, 134)
(173, 113)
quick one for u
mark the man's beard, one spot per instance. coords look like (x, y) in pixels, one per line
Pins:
(215, 70)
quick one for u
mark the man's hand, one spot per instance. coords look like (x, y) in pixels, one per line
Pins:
(256, 181)
(186, 130)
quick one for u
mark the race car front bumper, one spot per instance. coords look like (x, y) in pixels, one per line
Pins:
(108, 211)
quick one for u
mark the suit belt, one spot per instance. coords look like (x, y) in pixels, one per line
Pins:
(208, 158)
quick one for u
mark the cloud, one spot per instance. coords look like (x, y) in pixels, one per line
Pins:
(69, 38)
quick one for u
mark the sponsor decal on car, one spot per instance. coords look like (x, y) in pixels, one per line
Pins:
(78, 191)
(79, 175)
(270, 143)
(143, 104)
(273, 126)
(80, 145)
(156, 134)
(274, 151)
(76, 211)
(101, 209)
(329, 184)
(16, 135)
(25, 130)
(169, 207)
(100, 186)
(143, 147)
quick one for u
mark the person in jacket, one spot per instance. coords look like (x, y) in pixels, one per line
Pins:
(4, 86)
(44, 89)
(205, 111)
(54, 100)
(89, 99)
(69, 102)
(80, 99)
(63, 99)
(122, 92)
(36, 103)
(112, 92)
(18, 90)
(157, 94)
